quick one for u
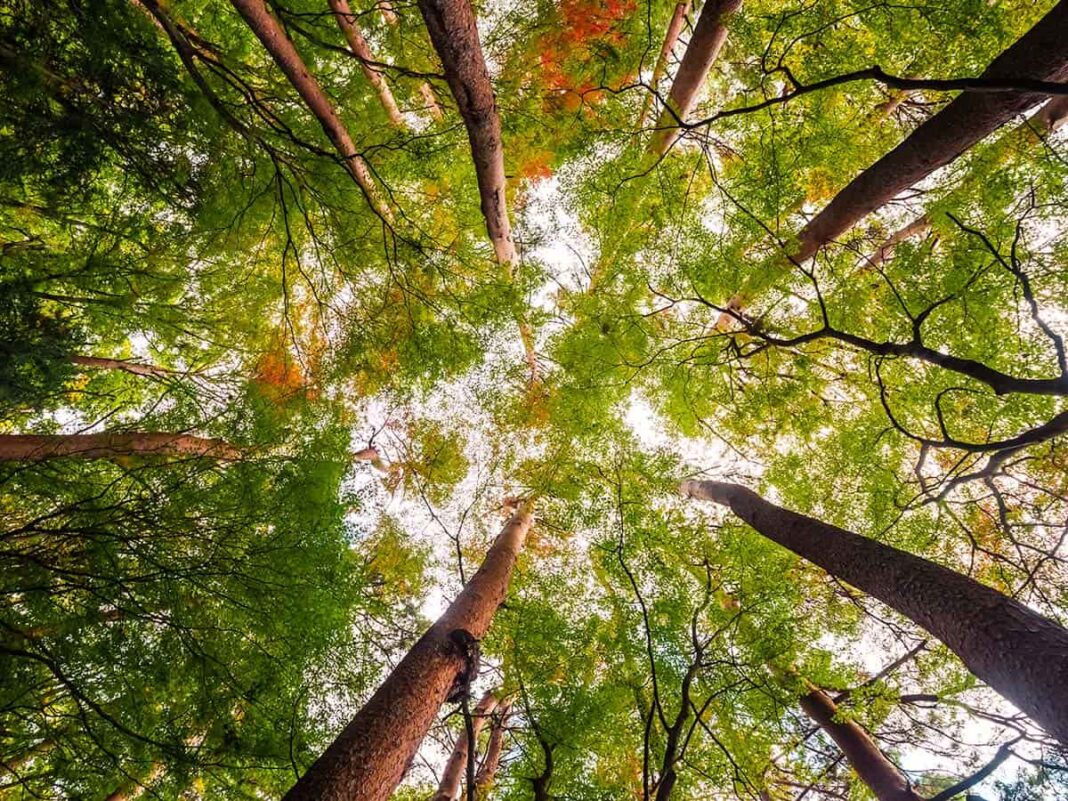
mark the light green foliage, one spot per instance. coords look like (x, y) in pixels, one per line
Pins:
(195, 627)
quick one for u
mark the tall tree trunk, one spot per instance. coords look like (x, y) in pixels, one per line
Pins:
(487, 773)
(1041, 53)
(346, 20)
(1018, 652)
(708, 37)
(370, 755)
(678, 19)
(108, 445)
(886, 782)
(454, 34)
(285, 55)
(453, 775)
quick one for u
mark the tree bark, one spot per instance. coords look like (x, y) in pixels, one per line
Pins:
(134, 368)
(886, 782)
(369, 757)
(108, 445)
(453, 775)
(487, 773)
(1041, 53)
(454, 34)
(285, 55)
(678, 19)
(708, 37)
(346, 20)
(1018, 652)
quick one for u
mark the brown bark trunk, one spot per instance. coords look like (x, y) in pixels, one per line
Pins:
(134, 368)
(285, 55)
(886, 782)
(708, 37)
(370, 755)
(346, 20)
(1018, 652)
(453, 775)
(454, 34)
(135, 789)
(1041, 53)
(487, 773)
(678, 19)
(108, 445)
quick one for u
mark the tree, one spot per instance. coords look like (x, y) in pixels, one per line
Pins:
(1015, 650)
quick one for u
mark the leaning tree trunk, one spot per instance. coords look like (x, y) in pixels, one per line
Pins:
(1040, 54)
(708, 37)
(285, 55)
(881, 775)
(678, 19)
(346, 20)
(369, 757)
(487, 773)
(125, 365)
(455, 769)
(109, 445)
(454, 34)
(1018, 652)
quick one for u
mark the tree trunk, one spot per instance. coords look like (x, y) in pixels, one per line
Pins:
(134, 368)
(1041, 53)
(487, 773)
(346, 20)
(108, 445)
(453, 775)
(369, 757)
(454, 34)
(886, 782)
(678, 19)
(1018, 652)
(285, 55)
(708, 37)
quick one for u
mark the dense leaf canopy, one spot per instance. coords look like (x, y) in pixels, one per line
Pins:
(354, 384)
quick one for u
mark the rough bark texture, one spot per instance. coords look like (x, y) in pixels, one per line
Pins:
(285, 55)
(487, 773)
(454, 34)
(1018, 652)
(369, 757)
(346, 20)
(864, 755)
(678, 19)
(36, 448)
(1041, 53)
(453, 775)
(708, 37)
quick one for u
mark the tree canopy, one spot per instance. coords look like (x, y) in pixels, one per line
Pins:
(303, 301)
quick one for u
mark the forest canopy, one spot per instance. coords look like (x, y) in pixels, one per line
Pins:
(567, 400)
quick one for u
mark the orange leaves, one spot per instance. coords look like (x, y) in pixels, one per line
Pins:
(280, 378)
(566, 53)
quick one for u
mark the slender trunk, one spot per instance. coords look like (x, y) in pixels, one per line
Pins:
(134, 368)
(285, 55)
(920, 225)
(1018, 652)
(369, 757)
(708, 37)
(455, 768)
(487, 773)
(886, 782)
(135, 789)
(108, 445)
(678, 19)
(346, 20)
(454, 34)
(1041, 53)
(542, 782)
(431, 100)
